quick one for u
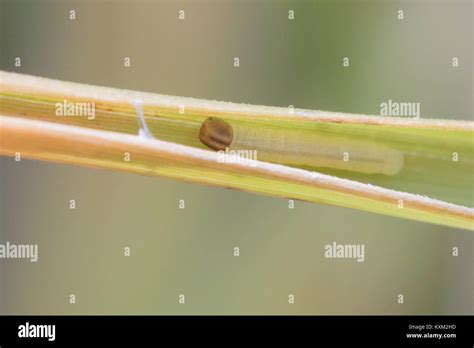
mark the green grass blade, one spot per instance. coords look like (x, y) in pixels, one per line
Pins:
(427, 147)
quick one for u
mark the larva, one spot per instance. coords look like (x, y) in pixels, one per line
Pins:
(302, 149)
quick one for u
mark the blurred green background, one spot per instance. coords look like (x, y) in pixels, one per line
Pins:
(190, 251)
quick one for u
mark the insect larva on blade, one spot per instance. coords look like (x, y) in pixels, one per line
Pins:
(295, 148)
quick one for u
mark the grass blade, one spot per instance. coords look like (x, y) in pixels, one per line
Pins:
(427, 147)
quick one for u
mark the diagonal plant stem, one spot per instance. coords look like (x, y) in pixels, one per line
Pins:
(29, 126)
